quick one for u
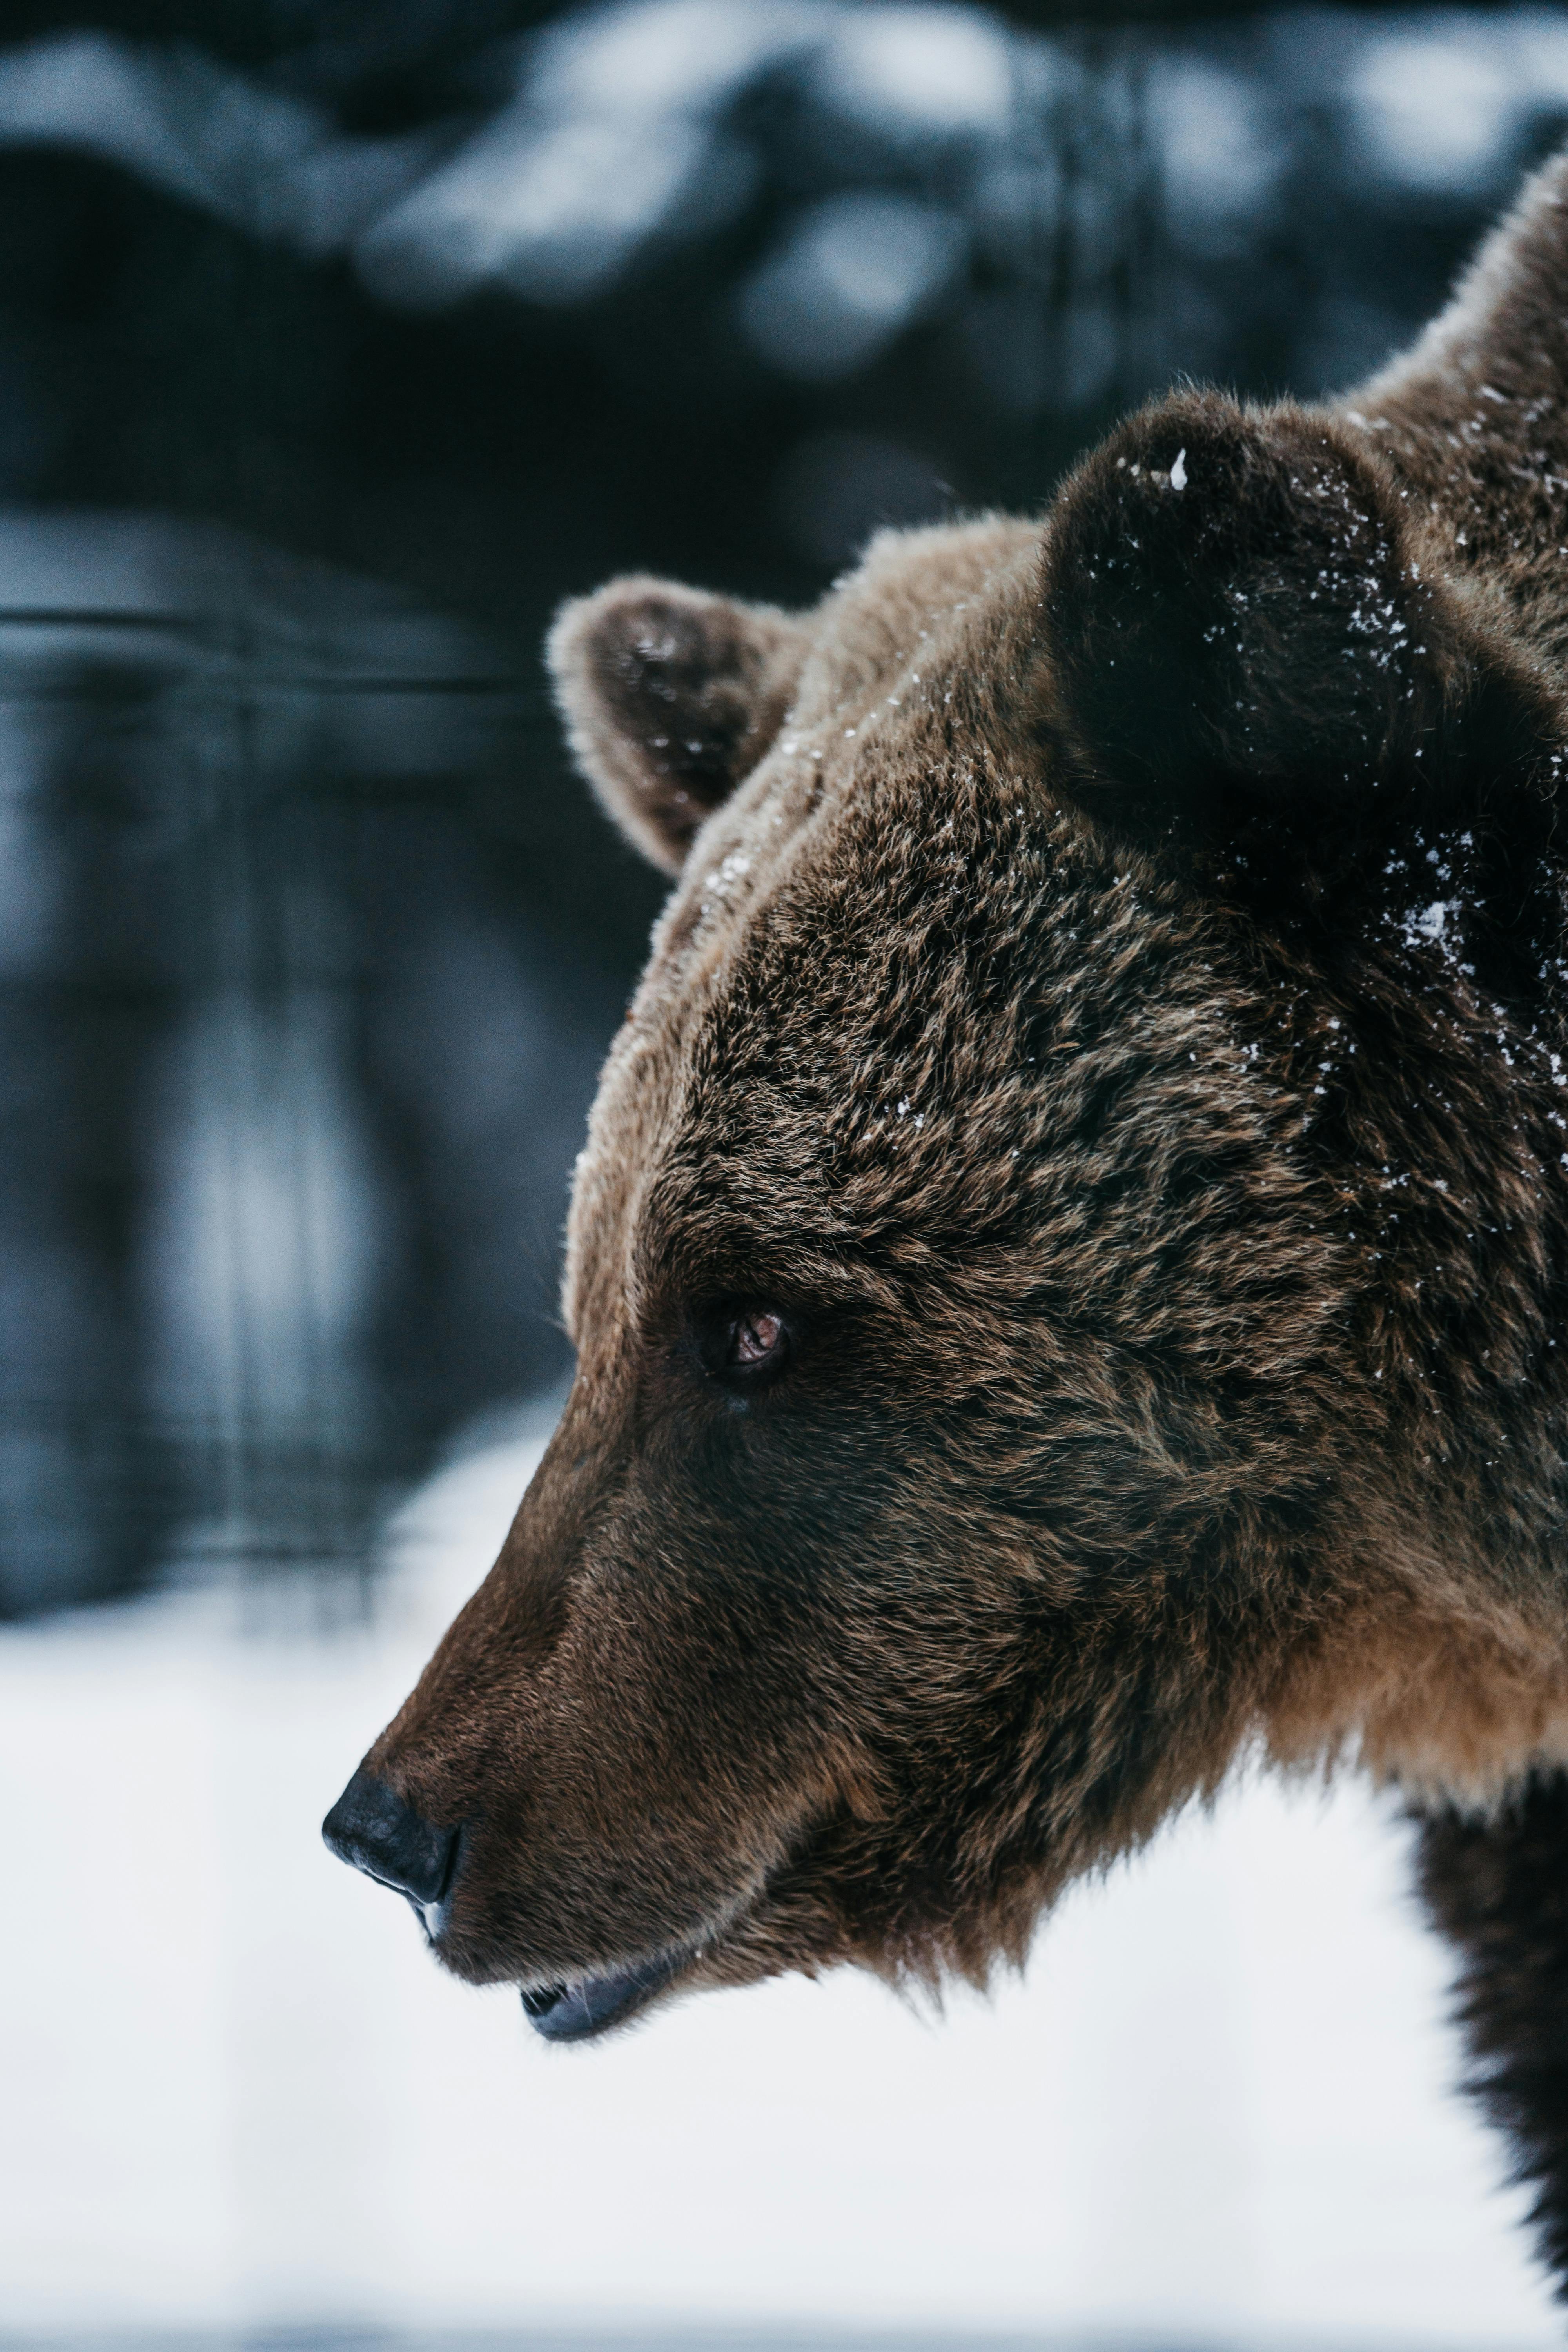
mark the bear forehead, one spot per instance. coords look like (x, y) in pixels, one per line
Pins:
(936, 608)
(840, 1046)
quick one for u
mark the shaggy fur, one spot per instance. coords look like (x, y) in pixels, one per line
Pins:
(1499, 1889)
(1107, 1026)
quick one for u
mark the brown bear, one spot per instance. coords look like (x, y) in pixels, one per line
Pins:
(1069, 1267)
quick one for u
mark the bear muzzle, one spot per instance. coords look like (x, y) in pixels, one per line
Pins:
(374, 1830)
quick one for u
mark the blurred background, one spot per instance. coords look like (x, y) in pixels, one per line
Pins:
(338, 340)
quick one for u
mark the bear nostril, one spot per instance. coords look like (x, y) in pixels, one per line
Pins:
(372, 1828)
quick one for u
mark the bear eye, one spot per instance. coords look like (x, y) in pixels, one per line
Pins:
(756, 1337)
(743, 1343)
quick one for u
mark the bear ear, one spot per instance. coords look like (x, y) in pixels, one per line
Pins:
(669, 697)
(1247, 646)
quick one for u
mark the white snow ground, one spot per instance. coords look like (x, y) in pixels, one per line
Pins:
(234, 2091)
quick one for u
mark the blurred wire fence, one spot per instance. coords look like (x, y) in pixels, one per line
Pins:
(290, 1091)
(337, 343)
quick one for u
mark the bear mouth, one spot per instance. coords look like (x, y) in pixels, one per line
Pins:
(588, 2005)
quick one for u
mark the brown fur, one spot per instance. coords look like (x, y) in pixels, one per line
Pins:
(1111, 1011)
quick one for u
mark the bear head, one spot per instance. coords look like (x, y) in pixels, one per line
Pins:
(1069, 1230)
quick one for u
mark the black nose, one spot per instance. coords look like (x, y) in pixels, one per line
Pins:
(371, 1827)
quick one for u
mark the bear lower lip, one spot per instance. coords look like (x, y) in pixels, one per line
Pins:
(573, 2012)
